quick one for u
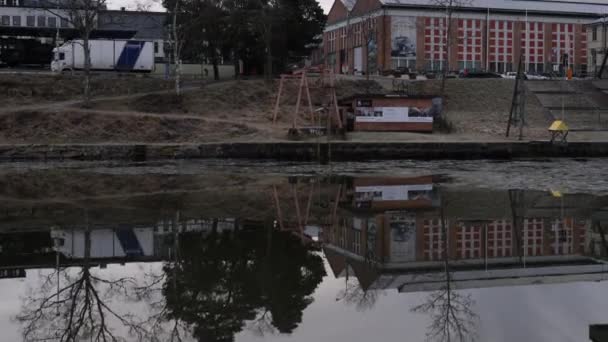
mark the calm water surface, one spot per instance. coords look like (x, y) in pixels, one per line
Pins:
(398, 251)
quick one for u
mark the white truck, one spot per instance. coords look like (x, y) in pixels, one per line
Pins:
(110, 55)
(105, 242)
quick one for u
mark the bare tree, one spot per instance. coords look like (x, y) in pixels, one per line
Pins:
(452, 316)
(368, 36)
(354, 294)
(145, 5)
(450, 6)
(159, 324)
(82, 15)
(77, 306)
(177, 39)
(262, 324)
(264, 25)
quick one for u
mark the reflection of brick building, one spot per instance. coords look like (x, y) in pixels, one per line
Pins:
(373, 237)
(434, 240)
(498, 239)
(396, 245)
(383, 220)
(392, 221)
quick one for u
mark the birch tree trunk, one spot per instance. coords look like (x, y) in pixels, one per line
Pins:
(176, 47)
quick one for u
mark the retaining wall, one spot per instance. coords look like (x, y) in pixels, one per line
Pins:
(303, 151)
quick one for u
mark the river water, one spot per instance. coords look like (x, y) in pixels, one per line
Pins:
(243, 251)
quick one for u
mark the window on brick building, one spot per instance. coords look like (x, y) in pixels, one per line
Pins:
(16, 20)
(52, 22)
(6, 20)
(41, 21)
(31, 20)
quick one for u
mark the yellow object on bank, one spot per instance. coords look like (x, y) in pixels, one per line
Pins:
(558, 126)
(556, 193)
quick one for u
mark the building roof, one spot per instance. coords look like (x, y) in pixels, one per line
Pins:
(599, 21)
(147, 25)
(590, 7)
(349, 4)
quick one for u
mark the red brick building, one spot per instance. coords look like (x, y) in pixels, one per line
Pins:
(369, 36)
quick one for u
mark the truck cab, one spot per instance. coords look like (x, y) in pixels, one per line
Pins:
(60, 59)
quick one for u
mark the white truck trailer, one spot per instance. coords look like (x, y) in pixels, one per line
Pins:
(110, 55)
(105, 242)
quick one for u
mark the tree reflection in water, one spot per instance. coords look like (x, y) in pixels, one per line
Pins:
(354, 294)
(213, 286)
(451, 313)
(74, 304)
(223, 280)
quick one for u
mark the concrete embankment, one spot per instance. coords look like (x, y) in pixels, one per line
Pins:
(303, 151)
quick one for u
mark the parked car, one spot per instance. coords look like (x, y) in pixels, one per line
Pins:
(480, 74)
(532, 76)
(509, 75)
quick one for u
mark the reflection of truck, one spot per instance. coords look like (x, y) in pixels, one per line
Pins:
(117, 55)
(105, 243)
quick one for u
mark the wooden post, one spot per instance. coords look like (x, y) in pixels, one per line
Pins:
(334, 212)
(278, 205)
(297, 112)
(312, 113)
(336, 110)
(312, 188)
(335, 99)
(276, 105)
(298, 215)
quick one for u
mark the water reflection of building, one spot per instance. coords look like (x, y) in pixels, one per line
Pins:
(127, 241)
(499, 238)
(531, 236)
(381, 221)
(109, 243)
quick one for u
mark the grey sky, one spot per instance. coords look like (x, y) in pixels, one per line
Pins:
(132, 4)
(548, 312)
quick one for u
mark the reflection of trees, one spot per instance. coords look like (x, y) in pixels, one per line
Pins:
(354, 294)
(73, 304)
(222, 280)
(451, 313)
(209, 288)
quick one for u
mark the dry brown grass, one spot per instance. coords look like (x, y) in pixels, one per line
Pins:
(23, 89)
(79, 127)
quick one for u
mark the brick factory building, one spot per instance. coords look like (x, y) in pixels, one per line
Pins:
(372, 36)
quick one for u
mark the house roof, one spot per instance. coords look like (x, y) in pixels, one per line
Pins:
(349, 4)
(595, 7)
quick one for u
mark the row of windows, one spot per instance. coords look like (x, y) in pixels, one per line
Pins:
(32, 21)
(9, 2)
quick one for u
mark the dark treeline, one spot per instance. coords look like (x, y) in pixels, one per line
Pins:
(266, 35)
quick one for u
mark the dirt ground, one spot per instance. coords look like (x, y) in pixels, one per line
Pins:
(55, 127)
(23, 89)
(479, 108)
(230, 111)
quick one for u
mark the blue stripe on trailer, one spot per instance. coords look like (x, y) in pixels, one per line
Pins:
(130, 54)
(129, 242)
